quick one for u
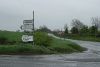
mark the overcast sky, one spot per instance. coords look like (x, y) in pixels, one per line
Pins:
(52, 13)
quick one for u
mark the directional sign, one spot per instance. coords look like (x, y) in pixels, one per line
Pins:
(27, 38)
(28, 22)
(27, 25)
(27, 28)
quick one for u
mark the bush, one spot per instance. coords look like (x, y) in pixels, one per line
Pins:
(74, 30)
(3, 40)
(42, 39)
(98, 34)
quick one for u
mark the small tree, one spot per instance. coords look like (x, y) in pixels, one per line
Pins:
(66, 31)
(84, 30)
(65, 26)
(93, 30)
(74, 30)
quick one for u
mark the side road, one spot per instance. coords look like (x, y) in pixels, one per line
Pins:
(91, 46)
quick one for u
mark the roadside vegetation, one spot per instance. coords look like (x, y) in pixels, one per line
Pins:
(63, 46)
(10, 43)
(80, 31)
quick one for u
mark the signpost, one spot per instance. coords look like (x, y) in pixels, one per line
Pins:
(28, 27)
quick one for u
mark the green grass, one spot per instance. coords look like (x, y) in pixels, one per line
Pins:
(11, 36)
(63, 46)
(84, 38)
(56, 46)
(23, 49)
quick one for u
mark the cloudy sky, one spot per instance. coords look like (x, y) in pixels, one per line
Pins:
(52, 13)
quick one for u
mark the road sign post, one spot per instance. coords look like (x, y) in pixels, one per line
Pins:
(33, 30)
(28, 27)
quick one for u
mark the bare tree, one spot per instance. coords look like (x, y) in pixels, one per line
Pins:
(65, 26)
(77, 23)
(95, 22)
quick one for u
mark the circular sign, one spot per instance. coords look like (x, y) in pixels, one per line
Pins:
(25, 38)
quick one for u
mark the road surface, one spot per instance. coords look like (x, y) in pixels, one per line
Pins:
(90, 58)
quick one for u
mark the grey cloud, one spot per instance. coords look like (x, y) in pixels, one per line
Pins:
(53, 13)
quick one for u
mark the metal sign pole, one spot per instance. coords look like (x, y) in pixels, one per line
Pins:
(33, 29)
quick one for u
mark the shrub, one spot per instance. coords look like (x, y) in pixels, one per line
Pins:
(98, 34)
(3, 40)
(74, 30)
(42, 39)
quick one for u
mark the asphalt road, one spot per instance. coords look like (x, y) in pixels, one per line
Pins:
(90, 58)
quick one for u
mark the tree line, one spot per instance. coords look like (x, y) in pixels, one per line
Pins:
(80, 28)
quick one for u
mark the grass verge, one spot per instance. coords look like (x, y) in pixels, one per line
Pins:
(64, 46)
(12, 45)
(57, 46)
(84, 38)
